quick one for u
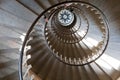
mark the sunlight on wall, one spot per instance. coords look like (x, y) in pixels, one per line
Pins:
(81, 33)
(87, 43)
(108, 62)
(112, 61)
(103, 64)
(92, 41)
(118, 78)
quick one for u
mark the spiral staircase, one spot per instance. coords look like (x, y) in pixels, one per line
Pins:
(59, 40)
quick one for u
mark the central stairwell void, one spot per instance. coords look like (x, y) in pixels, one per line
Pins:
(67, 41)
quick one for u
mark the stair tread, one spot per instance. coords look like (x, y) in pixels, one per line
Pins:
(6, 71)
(8, 63)
(32, 5)
(12, 76)
(12, 20)
(18, 10)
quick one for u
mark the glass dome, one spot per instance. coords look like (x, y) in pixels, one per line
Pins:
(65, 17)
